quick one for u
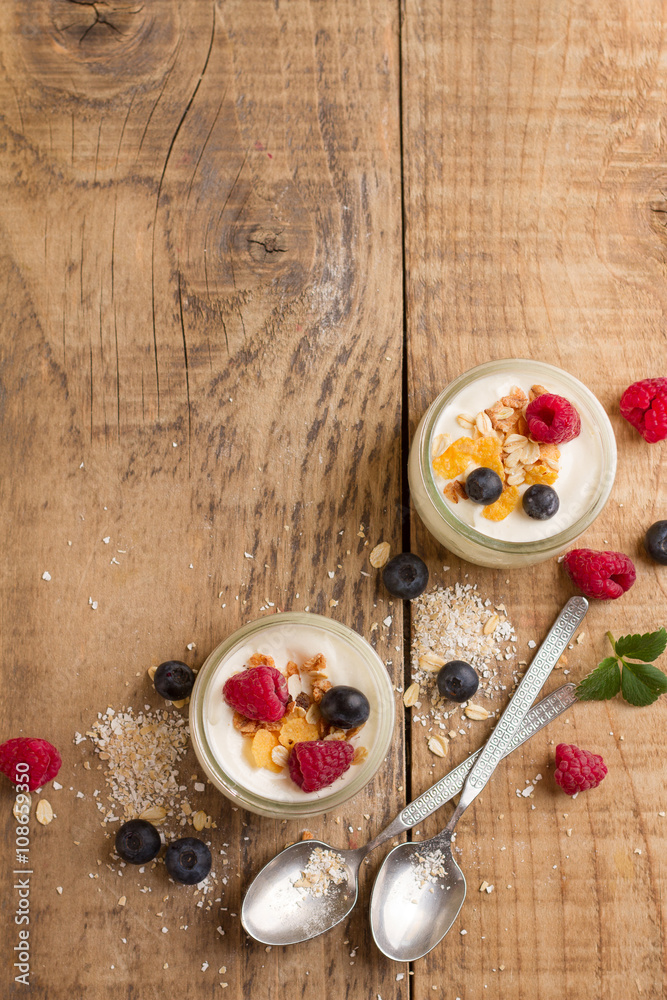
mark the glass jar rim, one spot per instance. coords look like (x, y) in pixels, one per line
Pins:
(596, 411)
(238, 792)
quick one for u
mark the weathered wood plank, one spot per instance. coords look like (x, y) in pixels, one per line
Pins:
(201, 265)
(533, 167)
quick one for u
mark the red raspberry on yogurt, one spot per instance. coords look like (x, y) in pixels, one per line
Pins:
(317, 764)
(258, 693)
(552, 419)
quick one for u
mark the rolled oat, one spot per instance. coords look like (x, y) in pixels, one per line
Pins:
(450, 623)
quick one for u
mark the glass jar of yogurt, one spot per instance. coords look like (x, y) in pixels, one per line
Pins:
(585, 469)
(225, 754)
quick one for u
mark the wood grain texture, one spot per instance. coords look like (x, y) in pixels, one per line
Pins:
(534, 168)
(201, 341)
(202, 329)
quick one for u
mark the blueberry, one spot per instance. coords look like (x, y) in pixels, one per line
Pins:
(457, 680)
(483, 486)
(345, 707)
(405, 576)
(188, 860)
(656, 542)
(173, 680)
(137, 842)
(540, 502)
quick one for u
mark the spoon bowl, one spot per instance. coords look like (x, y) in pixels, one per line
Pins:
(277, 912)
(410, 913)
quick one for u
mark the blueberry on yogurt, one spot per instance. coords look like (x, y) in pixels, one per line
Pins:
(483, 486)
(540, 502)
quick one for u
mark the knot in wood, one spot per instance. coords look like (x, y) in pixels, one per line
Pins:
(96, 25)
(265, 245)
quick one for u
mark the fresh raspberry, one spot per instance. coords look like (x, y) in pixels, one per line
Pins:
(577, 770)
(644, 405)
(41, 757)
(318, 763)
(602, 575)
(552, 419)
(258, 693)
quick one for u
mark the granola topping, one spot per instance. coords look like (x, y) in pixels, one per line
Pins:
(257, 754)
(272, 742)
(498, 439)
(485, 425)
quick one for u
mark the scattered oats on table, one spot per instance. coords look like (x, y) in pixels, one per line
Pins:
(455, 623)
(44, 812)
(141, 753)
(379, 556)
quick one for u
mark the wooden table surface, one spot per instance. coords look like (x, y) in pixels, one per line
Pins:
(244, 244)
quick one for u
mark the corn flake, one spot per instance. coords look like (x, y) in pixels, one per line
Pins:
(263, 744)
(455, 460)
(503, 506)
(540, 474)
(297, 730)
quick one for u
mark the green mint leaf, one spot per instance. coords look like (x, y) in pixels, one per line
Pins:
(647, 647)
(602, 683)
(642, 683)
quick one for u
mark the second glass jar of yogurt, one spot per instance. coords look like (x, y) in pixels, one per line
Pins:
(584, 467)
(225, 752)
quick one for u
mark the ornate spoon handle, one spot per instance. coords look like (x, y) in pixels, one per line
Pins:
(539, 716)
(543, 663)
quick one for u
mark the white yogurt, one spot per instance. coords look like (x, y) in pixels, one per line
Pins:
(581, 465)
(285, 642)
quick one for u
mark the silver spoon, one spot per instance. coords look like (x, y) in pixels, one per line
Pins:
(276, 912)
(420, 889)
